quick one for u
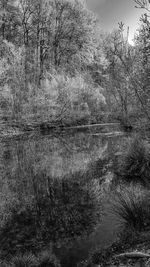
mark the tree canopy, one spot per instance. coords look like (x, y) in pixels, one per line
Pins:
(46, 45)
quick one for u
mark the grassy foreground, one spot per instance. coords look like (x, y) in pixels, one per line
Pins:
(131, 204)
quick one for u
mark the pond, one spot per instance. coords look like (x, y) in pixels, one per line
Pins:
(53, 194)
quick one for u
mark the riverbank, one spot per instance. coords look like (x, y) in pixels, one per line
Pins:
(19, 129)
(9, 127)
(130, 203)
(124, 253)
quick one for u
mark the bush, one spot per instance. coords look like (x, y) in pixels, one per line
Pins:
(134, 164)
(132, 207)
(70, 99)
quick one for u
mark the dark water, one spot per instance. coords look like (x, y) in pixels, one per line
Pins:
(65, 178)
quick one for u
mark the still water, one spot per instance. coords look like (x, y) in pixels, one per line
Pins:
(65, 179)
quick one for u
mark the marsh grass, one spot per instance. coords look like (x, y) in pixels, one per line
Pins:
(134, 164)
(133, 209)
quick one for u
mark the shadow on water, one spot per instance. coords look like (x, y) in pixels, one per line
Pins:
(53, 191)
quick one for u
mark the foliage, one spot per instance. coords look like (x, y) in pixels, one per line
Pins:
(44, 72)
(142, 63)
(64, 98)
(119, 86)
(12, 79)
(57, 67)
(53, 45)
(9, 20)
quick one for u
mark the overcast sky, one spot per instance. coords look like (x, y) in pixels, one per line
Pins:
(113, 11)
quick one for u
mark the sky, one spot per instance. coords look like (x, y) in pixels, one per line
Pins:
(111, 12)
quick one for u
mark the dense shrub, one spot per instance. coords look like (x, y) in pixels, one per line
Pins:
(65, 98)
(60, 96)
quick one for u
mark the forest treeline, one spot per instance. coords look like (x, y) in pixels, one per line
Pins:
(57, 64)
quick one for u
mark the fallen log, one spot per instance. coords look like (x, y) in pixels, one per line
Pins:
(134, 254)
(140, 257)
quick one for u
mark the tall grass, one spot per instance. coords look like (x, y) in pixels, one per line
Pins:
(132, 207)
(134, 164)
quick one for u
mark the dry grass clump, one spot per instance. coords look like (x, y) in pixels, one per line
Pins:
(132, 207)
(134, 164)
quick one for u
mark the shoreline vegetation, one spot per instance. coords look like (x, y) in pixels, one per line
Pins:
(10, 128)
(131, 205)
(59, 71)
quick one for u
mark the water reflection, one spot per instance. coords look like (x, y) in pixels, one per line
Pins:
(51, 190)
